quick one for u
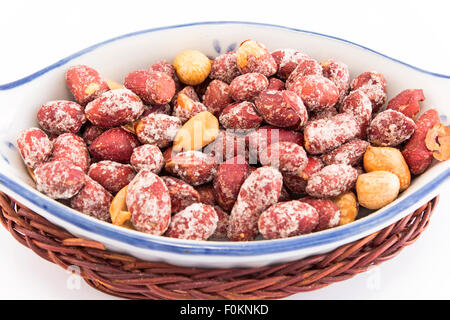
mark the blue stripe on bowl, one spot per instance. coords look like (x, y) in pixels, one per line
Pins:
(253, 248)
(63, 61)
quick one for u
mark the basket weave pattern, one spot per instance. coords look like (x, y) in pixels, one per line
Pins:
(127, 277)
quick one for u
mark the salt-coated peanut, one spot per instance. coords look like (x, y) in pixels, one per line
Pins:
(259, 191)
(377, 189)
(388, 159)
(252, 56)
(35, 147)
(148, 201)
(288, 219)
(93, 200)
(196, 222)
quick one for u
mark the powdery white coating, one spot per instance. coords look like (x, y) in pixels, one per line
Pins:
(339, 73)
(286, 156)
(297, 182)
(332, 181)
(61, 116)
(71, 147)
(390, 128)
(374, 85)
(59, 179)
(329, 213)
(287, 60)
(317, 92)
(184, 113)
(282, 108)
(148, 201)
(112, 175)
(260, 190)
(158, 129)
(262, 137)
(85, 83)
(149, 157)
(358, 104)
(252, 56)
(248, 86)
(349, 153)
(181, 193)
(228, 144)
(240, 116)
(114, 108)
(288, 219)
(305, 67)
(35, 147)
(93, 200)
(196, 222)
(326, 134)
(194, 167)
(224, 67)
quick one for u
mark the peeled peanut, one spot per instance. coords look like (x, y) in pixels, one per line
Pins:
(197, 132)
(348, 206)
(377, 189)
(388, 159)
(192, 67)
(120, 216)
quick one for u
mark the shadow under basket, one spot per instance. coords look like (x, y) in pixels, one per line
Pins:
(127, 277)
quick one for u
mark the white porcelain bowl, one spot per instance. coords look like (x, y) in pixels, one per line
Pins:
(116, 57)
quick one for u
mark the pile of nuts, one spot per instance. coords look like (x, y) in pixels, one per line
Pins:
(250, 143)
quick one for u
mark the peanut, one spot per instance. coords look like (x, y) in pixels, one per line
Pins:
(192, 67)
(388, 159)
(377, 189)
(348, 206)
(120, 216)
(197, 132)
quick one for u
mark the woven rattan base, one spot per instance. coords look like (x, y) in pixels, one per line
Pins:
(128, 277)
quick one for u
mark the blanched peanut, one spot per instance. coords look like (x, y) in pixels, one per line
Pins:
(197, 132)
(388, 159)
(377, 189)
(348, 206)
(120, 216)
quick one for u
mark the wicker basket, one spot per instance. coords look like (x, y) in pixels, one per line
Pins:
(128, 277)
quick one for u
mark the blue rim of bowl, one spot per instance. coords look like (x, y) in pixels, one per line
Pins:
(177, 246)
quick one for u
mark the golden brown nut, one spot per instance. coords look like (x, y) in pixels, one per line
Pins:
(348, 206)
(388, 159)
(377, 189)
(192, 67)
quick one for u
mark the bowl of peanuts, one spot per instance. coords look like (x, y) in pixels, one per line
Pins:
(225, 144)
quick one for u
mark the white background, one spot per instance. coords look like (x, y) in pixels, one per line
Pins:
(35, 34)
